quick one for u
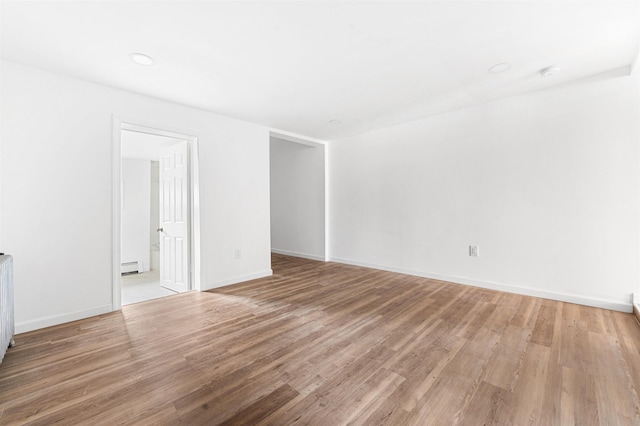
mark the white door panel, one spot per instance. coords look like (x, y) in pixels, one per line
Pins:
(174, 267)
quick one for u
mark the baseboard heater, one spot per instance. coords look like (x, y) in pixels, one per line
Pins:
(7, 324)
(130, 268)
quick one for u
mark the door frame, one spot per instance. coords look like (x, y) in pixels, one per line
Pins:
(136, 125)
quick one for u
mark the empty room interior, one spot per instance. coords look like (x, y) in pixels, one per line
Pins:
(375, 212)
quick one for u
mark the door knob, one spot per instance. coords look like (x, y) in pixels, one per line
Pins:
(160, 230)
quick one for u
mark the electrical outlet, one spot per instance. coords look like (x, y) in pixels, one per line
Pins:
(474, 251)
(237, 254)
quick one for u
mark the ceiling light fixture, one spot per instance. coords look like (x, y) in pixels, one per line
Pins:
(335, 121)
(549, 71)
(501, 67)
(141, 59)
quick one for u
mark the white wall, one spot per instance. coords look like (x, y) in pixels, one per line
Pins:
(136, 213)
(56, 191)
(546, 184)
(297, 199)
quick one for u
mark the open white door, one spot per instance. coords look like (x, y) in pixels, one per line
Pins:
(174, 218)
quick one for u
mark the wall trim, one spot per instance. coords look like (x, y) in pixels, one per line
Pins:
(525, 291)
(237, 279)
(296, 138)
(636, 306)
(36, 324)
(297, 254)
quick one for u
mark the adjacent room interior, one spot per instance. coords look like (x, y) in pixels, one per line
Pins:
(147, 261)
(298, 197)
(401, 213)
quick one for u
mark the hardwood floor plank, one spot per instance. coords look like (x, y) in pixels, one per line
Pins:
(530, 389)
(505, 360)
(475, 319)
(264, 406)
(484, 406)
(543, 330)
(428, 367)
(368, 397)
(527, 313)
(507, 306)
(578, 402)
(617, 399)
(324, 343)
(457, 383)
(551, 403)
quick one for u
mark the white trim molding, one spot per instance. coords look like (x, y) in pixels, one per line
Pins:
(297, 254)
(525, 291)
(296, 138)
(36, 324)
(238, 279)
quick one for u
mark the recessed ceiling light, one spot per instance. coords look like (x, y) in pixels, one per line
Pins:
(549, 71)
(141, 58)
(335, 121)
(500, 67)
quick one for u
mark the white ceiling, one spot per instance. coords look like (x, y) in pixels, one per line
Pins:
(294, 66)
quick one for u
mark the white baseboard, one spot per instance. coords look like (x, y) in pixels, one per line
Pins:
(526, 291)
(237, 279)
(36, 324)
(297, 254)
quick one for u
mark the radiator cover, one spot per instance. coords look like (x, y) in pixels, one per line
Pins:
(7, 325)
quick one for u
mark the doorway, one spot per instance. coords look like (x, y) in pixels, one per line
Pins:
(154, 251)
(298, 189)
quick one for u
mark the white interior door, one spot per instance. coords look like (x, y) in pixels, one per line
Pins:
(174, 214)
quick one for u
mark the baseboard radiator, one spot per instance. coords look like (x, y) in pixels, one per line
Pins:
(7, 324)
(131, 268)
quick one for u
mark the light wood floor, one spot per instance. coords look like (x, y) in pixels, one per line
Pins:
(330, 344)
